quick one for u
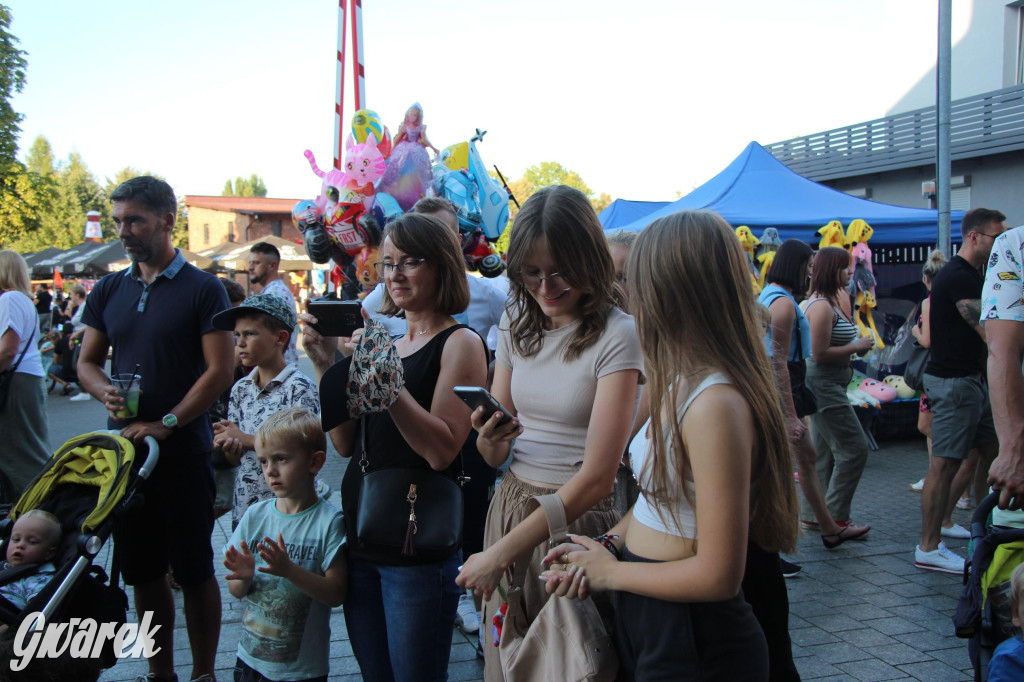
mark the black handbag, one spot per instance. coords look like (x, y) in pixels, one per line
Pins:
(409, 512)
(8, 374)
(913, 374)
(803, 397)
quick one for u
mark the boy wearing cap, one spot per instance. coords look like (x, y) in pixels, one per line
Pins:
(263, 325)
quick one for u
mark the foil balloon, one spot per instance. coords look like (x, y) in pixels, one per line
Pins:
(366, 122)
(363, 165)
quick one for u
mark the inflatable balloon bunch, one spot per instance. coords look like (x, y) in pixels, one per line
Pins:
(378, 181)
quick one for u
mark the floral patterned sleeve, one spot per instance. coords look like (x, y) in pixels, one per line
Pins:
(1002, 298)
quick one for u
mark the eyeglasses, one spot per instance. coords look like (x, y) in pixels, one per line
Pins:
(410, 264)
(990, 236)
(533, 280)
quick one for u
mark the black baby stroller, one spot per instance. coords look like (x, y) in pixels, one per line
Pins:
(87, 484)
(983, 614)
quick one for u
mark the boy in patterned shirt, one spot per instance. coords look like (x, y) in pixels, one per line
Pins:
(263, 324)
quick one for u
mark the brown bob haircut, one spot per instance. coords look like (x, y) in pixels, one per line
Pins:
(828, 263)
(427, 237)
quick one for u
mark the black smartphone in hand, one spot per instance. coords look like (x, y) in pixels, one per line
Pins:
(475, 397)
(336, 318)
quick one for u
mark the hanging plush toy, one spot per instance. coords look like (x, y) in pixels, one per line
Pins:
(880, 391)
(832, 235)
(858, 232)
(900, 386)
(363, 165)
(865, 322)
(749, 243)
(770, 243)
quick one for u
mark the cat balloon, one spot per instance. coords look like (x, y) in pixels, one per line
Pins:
(364, 164)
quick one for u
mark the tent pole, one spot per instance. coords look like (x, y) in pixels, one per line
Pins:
(943, 79)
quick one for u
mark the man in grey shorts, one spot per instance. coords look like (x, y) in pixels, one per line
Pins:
(955, 382)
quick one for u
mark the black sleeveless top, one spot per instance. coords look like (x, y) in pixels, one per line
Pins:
(385, 446)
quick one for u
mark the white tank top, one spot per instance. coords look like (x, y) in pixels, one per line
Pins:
(681, 516)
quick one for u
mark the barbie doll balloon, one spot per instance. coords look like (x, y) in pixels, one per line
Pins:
(408, 177)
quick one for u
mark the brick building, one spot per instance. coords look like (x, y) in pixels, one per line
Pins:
(216, 220)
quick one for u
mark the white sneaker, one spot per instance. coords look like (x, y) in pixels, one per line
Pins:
(465, 616)
(917, 487)
(80, 397)
(957, 532)
(942, 560)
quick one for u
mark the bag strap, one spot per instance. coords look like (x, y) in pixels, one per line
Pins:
(14, 368)
(776, 295)
(462, 479)
(558, 528)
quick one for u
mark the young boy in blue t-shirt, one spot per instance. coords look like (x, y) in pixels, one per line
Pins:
(298, 571)
(1008, 662)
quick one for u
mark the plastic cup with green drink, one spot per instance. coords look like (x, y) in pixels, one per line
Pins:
(127, 386)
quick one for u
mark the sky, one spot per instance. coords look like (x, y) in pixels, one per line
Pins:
(644, 99)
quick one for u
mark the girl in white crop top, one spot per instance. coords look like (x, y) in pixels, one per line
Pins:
(716, 423)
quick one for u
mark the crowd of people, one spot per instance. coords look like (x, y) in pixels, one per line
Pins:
(643, 360)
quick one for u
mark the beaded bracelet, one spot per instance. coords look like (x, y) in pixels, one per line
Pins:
(606, 540)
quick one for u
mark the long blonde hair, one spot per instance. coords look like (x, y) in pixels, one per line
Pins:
(690, 294)
(14, 273)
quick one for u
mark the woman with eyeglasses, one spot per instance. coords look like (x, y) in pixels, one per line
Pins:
(567, 369)
(400, 610)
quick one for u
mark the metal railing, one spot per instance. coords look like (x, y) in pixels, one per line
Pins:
(991, 123)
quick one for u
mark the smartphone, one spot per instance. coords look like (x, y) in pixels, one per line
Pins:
(336, 318)
(475, 397)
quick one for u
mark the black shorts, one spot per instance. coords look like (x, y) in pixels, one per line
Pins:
(172, 528)
(662, 640)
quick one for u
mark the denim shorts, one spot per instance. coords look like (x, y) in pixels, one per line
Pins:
(961, 414)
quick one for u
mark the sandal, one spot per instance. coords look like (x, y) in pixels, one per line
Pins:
(833, 540)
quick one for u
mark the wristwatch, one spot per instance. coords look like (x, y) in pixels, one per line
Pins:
(170, 421)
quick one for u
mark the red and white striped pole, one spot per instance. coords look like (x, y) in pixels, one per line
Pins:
(339, 90)
(358, 74)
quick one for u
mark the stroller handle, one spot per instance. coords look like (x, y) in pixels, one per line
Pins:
(152, 454)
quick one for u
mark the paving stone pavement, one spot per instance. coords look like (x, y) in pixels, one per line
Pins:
(860, 612)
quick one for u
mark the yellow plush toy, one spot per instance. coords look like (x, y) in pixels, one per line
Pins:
(749, 243)
(858, 231)
(766, 259)
(865, 322)
(832, 235)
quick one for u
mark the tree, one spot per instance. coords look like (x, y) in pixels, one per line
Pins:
(24, 199)
(39, 159)
(12, 80)
(76, 191)
(253, 186)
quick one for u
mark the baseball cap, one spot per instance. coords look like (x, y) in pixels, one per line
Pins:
(275, 306)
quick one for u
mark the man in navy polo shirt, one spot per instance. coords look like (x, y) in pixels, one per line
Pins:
(157, 316)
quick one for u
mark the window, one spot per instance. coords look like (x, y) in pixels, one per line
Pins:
(275, 228)
(231, 230)
(206, 233)
(960, 199)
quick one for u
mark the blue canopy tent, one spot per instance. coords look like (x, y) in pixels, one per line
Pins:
(623, 211)
(759, 191)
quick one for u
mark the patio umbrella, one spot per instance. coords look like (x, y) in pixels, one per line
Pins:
(293, 256)
(48, 252)
(67, 261)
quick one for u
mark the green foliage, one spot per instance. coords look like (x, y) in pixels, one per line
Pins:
(40, 159)
(24, 199)
(545, 174)
(253, 186)
(12, 80)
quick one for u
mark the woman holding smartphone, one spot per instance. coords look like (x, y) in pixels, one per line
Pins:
(567, 369)
(400, 611)
(717, 466)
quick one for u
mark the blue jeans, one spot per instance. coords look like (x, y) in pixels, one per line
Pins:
(400, 619)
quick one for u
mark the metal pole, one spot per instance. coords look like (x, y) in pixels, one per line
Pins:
(339, 90)
(358, 74)
(943, 77)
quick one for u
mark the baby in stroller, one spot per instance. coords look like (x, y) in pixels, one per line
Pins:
(34, 540)
(1008, 661)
